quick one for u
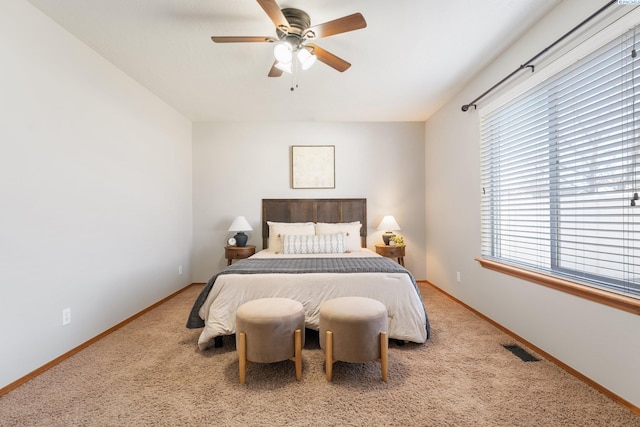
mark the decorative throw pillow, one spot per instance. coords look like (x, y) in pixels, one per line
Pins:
(351, 229)
(279, 229)
(316, 244)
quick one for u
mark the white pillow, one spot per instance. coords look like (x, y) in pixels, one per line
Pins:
(279, 229)
(314, 244)
(352, 230)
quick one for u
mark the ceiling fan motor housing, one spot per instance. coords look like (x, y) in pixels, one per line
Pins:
(299, 22)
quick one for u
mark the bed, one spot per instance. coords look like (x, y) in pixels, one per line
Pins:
(314, 250)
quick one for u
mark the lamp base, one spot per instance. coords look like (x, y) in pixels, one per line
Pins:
(241, 239)
(385, 237)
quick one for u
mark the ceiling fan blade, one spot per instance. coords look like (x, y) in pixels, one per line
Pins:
(329, 58)
(337, 26)
(241, 39)
(275, 71)
(272, 9)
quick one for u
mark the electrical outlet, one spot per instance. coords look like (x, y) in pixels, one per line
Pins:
(66, 316)
(458, 276)
(180, 269)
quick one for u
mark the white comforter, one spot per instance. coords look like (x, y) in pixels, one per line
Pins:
(407, 317)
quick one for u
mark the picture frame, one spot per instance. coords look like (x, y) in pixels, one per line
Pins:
(313, 166)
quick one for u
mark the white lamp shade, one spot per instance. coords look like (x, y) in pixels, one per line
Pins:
(286, 67)
(306, 58)
(240, 224)
(283, 52)
(388, 223)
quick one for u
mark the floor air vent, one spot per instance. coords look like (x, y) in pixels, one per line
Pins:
(521, 353)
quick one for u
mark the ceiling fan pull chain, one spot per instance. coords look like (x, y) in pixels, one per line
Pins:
(294, 74)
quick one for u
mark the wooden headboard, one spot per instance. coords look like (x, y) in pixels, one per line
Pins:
(314, 210)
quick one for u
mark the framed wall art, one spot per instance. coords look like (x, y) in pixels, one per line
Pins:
(313, 166)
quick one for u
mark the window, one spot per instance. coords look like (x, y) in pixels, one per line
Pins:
(560, 174)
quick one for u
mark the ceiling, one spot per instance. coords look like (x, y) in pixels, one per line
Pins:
(412, 57)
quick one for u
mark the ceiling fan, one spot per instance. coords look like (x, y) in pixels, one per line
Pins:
(294, 30)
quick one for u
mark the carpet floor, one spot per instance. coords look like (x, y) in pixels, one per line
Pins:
(150, 373)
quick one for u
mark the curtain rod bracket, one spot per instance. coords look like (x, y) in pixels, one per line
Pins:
(465, 107)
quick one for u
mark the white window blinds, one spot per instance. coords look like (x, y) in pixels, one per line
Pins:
(560, 173)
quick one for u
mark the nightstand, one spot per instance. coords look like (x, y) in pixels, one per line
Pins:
(238, 252)
(392, 252)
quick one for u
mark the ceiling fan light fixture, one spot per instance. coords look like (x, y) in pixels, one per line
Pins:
(306, 58)
(283, 52)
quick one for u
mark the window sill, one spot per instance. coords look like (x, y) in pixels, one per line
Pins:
(621, 302)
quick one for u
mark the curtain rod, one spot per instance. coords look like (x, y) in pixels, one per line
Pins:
(529, 64)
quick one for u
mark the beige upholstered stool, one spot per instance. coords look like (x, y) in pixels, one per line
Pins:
(354, 329)
(270, 330)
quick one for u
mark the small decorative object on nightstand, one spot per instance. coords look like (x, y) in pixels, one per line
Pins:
(396, 241)
(392, 252)
(240, 224)
(238, 252)
(388, 224)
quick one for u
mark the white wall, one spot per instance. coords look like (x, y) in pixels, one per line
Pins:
(236, 165)
(601, 342)
(95, 186)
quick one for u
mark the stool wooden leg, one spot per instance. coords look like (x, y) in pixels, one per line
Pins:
(329, 355)
(242, 355)
(384, 355)
(298, 352)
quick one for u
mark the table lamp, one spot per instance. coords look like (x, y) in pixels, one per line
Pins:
(388, 224)
(240, 224)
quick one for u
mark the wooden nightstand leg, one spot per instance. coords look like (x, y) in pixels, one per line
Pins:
(401, 261)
